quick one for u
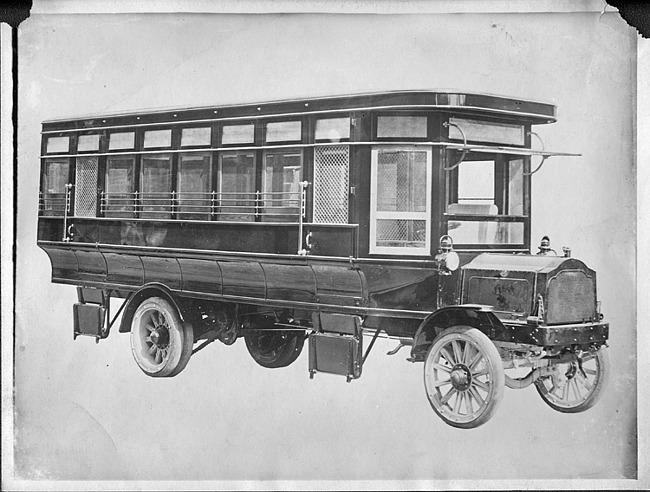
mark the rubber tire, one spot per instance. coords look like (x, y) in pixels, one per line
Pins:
(286, 353)
(493, 361)
(602, 357)
(188, 346)
(181, 339)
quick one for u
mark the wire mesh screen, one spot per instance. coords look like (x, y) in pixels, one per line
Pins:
(401, 178)
(401, 233)
(86, 189)
(331, 180)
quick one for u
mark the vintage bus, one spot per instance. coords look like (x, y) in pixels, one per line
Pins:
(404, 215)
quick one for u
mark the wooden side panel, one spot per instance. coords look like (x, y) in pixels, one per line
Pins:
(338, 285)
(92, 265)
(290, 282)
(163, 270)
(64, 262)
(243, 278)
(124, 269)
(200, 276)
(332, 240)
(400, 287)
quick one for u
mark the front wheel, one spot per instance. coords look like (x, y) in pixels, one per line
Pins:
(464, 377)
(161, 342)
(577, 385)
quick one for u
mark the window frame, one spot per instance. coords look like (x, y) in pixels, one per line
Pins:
(221, 133)
(181, 212)
(341, 140)
(100, 142)
(376, 215)
(299, 139)
(154, 148)
(131, 210)
(237, 216)
(51, 200)
(46, 142)
(213, 132)
(502, 171)
(263, 206)
(153, 211)
(122, 150)
(411, 114)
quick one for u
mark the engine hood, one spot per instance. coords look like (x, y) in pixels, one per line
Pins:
(521, 263)
(554, 289)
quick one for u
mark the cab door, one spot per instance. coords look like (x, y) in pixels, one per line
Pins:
(400, 200)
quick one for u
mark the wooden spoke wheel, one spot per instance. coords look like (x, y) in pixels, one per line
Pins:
(160, 342)
(575, 386)
(275, 348)
(464, 377)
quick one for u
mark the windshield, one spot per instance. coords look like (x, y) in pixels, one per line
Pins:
(486, 199)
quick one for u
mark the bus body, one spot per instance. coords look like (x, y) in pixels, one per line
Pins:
(399, 214)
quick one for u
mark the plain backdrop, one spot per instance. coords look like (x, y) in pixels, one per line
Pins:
(86, 412)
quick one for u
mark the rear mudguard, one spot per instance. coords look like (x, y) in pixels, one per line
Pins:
(146, 291)
(476, 316)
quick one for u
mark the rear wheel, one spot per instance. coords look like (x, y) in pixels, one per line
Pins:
(575, 386)
(275, 348)
(160, 342)
(464, 377)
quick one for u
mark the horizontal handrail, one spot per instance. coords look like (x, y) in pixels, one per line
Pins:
(258, 204)
(52, 202)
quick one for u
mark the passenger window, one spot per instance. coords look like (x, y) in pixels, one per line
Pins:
(284, 131)
(88, 143)
(281, 185)
(124, 140)
(157, 138)
(118, 198)
(237, 197)
(194, 185)
(238, 134)
(155, 187)
(196, 136)
(332, 129)
(401, 127)
(57, 145)
(55, 178)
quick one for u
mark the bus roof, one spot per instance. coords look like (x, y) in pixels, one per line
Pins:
(457, 102)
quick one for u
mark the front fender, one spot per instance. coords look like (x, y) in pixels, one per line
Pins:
(474, 315)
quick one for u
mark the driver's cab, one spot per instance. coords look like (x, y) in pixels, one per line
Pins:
(487, 202)
(470, 180)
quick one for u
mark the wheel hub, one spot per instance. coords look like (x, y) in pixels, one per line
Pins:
(461, 377)
(571, 371)
(160, 337)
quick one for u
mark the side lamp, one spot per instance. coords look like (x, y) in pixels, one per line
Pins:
(447, 259)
